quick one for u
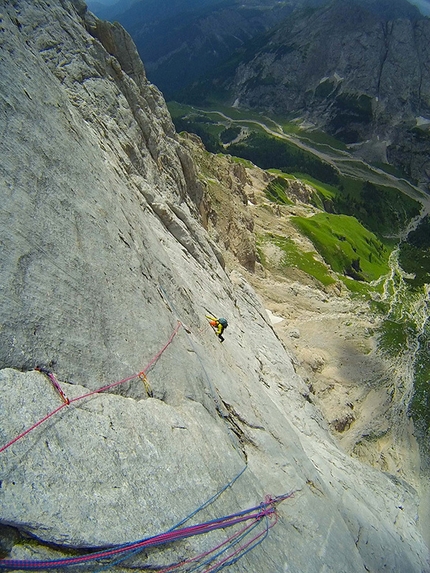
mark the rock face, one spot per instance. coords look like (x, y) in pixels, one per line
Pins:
(103, 252)
(224, 207)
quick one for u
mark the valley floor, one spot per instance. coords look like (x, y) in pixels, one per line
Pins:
(331, 336)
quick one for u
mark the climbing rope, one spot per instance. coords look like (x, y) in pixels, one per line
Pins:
(185, 520)
(209, 558)
(67, 402)
(55, 383)
(265, 511)
(255, 521)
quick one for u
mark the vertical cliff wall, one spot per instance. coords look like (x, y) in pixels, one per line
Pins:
(107, 272)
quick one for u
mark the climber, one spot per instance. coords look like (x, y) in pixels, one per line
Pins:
(218, 324)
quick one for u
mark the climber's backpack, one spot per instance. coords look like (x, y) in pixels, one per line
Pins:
(223, 321)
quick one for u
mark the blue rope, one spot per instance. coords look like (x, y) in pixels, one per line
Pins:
(247, 550)
(118, 561)
(191, 515)
(210, 500)
(226, 548)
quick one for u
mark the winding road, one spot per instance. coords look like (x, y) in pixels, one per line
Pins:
(343, 161)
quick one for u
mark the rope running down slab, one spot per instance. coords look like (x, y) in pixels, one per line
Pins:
(92, 393)
(255, 514)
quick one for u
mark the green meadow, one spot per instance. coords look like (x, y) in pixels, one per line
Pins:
(293, 257)
(346, 246)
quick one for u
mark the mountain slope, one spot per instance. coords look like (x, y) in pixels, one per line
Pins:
(377, 62)
(107, 275)
(179, 42)
(357, 373)
(357, 69)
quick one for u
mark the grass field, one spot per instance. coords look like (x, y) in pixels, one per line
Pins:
(348, 247)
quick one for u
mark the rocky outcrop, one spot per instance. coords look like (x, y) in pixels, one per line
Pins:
(223, 208)
(102, 254)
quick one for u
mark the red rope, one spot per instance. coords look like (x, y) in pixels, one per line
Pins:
(197, 558)
(103, 389)
(161, 539)
(266, 509)
(63, 405)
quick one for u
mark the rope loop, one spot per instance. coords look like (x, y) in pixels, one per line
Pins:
(236, 544)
